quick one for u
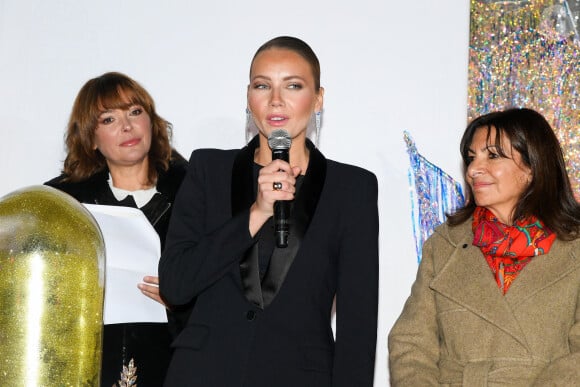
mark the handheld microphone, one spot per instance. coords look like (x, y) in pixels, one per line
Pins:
(280, 141)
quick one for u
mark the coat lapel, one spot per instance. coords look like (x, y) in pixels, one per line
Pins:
(303, 207)
(243, 184)
(543, 271)
(242, 198)
(467, 280)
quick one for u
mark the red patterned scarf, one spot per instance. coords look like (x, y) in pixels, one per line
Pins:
(508, 249)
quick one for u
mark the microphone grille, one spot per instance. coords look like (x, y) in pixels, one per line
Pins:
(279, 139)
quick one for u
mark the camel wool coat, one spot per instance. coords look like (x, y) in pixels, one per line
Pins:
(458, 329)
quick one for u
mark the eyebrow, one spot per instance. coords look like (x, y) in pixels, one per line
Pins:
(132, 105)
(288, 78)
(487, 147)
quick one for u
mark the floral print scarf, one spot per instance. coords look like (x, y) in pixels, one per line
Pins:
(508, 249)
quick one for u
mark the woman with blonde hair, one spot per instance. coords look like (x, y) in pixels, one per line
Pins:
(263, 315)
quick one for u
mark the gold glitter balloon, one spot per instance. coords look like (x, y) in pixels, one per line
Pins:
(52, 265)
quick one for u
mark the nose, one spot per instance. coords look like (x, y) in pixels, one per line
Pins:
(126, 124)
(276, 98)
(475, 168)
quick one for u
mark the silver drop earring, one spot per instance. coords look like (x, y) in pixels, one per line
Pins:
(249, 127)
(317, 125)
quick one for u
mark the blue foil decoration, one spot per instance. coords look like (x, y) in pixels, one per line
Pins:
(433, 194)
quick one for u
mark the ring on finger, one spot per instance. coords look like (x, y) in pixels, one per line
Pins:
(276, 186)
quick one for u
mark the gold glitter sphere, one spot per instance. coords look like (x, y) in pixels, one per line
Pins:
(52, 269)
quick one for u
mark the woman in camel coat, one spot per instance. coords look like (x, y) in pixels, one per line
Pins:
(496, 301)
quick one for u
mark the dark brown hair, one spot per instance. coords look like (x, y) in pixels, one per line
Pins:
(298, 46)
(110, 91)
(549, 195)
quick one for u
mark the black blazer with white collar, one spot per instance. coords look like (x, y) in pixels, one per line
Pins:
(277, 332)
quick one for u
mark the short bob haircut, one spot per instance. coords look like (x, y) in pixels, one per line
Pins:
(549, 195)
(110, 91)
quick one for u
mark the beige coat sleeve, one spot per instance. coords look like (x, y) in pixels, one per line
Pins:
(565, 371)
(414, 339)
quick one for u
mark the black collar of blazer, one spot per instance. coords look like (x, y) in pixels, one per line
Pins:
(304, 205)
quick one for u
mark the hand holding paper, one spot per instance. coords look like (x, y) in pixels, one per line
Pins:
(150, 288)
(132, 255)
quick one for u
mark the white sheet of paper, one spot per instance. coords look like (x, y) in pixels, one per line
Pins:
(132, 251)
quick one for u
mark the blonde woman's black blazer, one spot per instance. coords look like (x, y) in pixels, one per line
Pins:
(277, 331)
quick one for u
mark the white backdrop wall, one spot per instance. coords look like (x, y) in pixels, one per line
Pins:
(387, 67)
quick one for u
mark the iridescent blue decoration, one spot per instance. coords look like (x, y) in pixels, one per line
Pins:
(433, 194)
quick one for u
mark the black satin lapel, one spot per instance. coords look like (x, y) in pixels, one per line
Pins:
(242, 198)
(279, 265)
(251, 277)
(309, 194)
(243, 179)
(302, 212)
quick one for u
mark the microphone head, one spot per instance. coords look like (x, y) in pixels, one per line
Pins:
(279, 139)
